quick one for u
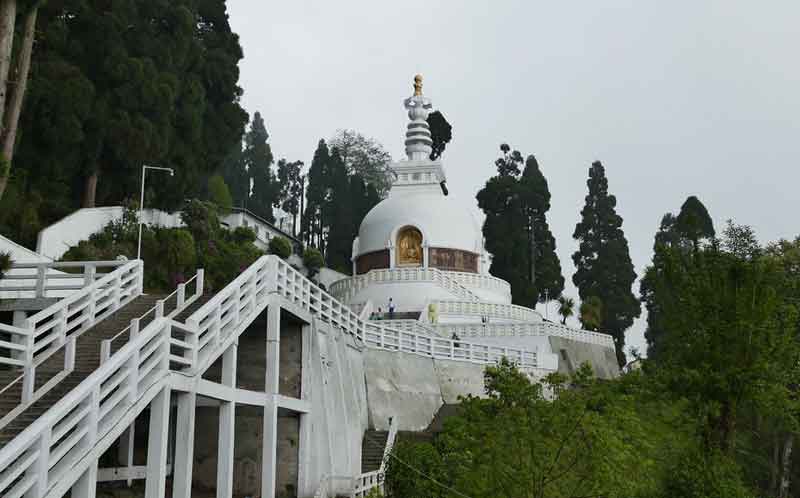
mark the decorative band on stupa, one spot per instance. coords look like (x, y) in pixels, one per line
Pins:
(418, 136)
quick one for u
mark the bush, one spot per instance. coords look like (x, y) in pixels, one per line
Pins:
(218, 192)
(280, 247)
(313, 261)
(172, 255)
(5, 263)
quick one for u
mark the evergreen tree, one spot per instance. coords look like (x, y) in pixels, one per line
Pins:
(543, 263)
(121, 84)
(338, 215)
(290, 188)
(234, 172)
(516, 231)
(258, 158)
(602, 261)
(693, 222)
(316, 190)
(441, 134)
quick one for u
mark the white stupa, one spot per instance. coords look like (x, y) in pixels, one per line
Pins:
(422, 248)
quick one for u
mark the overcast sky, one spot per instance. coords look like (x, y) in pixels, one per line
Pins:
(675, 98)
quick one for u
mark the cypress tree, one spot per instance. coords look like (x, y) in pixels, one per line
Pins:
(234, 172)
(338, 215)
(316, 190)
(258, 157)
(603, 264)
(543, 263)
(290, 189)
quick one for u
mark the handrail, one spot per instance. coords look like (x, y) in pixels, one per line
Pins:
(499, 310)
(182, 304)
(345, 288)
(43, 275)
(525, 329)
(58, 325)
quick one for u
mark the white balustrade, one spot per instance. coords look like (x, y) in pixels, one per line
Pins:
(47, 279)
(346, 288)
(544, 329)
(494, 310)
(59, 325)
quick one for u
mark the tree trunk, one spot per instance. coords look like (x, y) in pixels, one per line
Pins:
(21, 71)
(8, 17)
(775, 466)
(90, 190)
(786, 471)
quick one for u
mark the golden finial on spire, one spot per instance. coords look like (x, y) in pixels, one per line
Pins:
(418, 85)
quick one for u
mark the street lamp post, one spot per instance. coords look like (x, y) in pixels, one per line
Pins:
(141, 205)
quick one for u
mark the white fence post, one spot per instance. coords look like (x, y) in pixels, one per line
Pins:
(41, 467)
(69, 355)
(41, 276)
(105, 351)
(159, 308)
(29, 371)
(181, 294)
(89, 271)
(199, 282)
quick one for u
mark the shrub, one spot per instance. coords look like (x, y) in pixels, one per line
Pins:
(313, 261)
(218, 192)
(5, 263)
(280, 247)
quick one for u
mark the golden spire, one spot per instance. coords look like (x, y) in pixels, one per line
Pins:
(418, 85)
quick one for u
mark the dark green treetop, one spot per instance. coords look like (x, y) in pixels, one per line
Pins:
(693, 222)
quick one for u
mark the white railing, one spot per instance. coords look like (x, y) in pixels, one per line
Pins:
(492, 310)
(346, 288)
(478, 281)
(523, 329)
(367, 481)
(46, 279)
(44, 453)
(181, 303)
(59, 325)
(414, 326)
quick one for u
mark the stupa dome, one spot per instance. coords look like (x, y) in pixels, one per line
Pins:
(444, 221)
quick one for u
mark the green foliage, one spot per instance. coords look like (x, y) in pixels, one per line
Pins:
(218, 192)
(258, 160)
(336, 202)
(172, 255)
(441, 134)
(591, 313)
(291, 188)
(119, 84)
(693, 222)
(365, 157)
(593, 439)
(516, 231)
(5, 263)
(280, 247)
(603, 264)
(313, 261)
(566, 308)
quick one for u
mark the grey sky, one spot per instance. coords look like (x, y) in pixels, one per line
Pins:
(675, 98)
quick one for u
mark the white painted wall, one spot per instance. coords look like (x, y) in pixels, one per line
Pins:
(56, 239)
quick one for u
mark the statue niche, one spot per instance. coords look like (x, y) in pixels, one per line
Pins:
(409, 247)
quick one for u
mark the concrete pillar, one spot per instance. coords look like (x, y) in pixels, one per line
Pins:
(392, 262)
(270, 443)
(184, 446)
(425, 255)
(273, 348)
(155, 486)
(18, 320)
(269, 449)
(304, 485)
(86, 485)
(227, 426)
(126, 445)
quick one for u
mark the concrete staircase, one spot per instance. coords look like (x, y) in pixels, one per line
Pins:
(372, 447)
(87, 359)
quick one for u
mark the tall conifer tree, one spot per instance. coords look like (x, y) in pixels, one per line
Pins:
(515, 204)
(311, 225)
(603, 264)
(258, 157)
